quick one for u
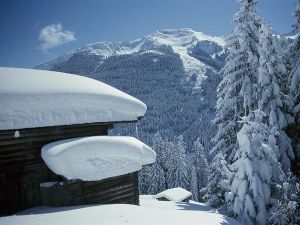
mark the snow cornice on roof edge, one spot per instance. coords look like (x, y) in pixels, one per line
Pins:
(35, 98)
(98, 157)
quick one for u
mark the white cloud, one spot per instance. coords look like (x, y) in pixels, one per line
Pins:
(53, 35)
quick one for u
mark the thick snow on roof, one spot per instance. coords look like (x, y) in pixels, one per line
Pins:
(174, 194)
(150, 212)
(35, 98)
(98, 157)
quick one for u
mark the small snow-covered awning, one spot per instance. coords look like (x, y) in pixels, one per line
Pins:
(97, 158)
(174, 194)
(34, 98)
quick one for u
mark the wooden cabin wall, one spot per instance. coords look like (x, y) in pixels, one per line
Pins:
(22, 168)
(120, 189)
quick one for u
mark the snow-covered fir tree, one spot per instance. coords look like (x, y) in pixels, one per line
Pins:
(177, 165)
(271, 96)
(171, 168)
(144, 178)
(288, 210)
(295, 76)
(194, 184)
(235, 91)
(163, 149)
(199, 169)
(230, 101)
(296, 25)
(153, 177)
(295, 65)
(255, 160)
(218, 182)
(157, 179)
(251, 89)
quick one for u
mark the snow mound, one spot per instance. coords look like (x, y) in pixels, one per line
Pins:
(35, 98)
(150, 212)
(97, 158)
(174, 194)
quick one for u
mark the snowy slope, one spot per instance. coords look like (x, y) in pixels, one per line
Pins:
(174, 71)
(182, 42)
(36, 98)
(150, 212)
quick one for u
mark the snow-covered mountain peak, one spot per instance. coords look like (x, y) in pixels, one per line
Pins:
(172, 37)
(184, 37)
(194, 49)
(183, 42)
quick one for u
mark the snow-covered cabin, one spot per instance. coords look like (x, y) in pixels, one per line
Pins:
(174, 194)
(40, 109)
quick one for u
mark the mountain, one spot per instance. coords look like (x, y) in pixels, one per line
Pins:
(174, 71)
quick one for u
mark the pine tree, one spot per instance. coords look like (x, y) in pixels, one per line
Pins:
(294, 63)
(144, 180)
(271, 85)
(163, 149)
(194, 184)
(157, 180)
(255, 160)
(255, 164)
(288, 210)
(153, 178)
(295, 67)
(218, 182)
(177, 166)
(296, 25)
(198, 162)
(235, 92)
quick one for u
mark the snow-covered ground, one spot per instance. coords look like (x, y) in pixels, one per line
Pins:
(150, 212)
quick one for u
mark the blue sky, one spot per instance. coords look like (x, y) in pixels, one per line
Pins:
(34, 31)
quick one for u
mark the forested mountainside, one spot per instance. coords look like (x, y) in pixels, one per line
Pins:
(175, 72)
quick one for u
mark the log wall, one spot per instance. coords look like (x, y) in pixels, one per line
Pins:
(22, 168)
(121, 189)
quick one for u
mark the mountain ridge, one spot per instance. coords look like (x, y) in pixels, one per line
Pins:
(181, 40)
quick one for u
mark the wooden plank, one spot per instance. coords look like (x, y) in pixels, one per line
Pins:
(72, 192)
(109, 125)
(35, 138)
(116, 191)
